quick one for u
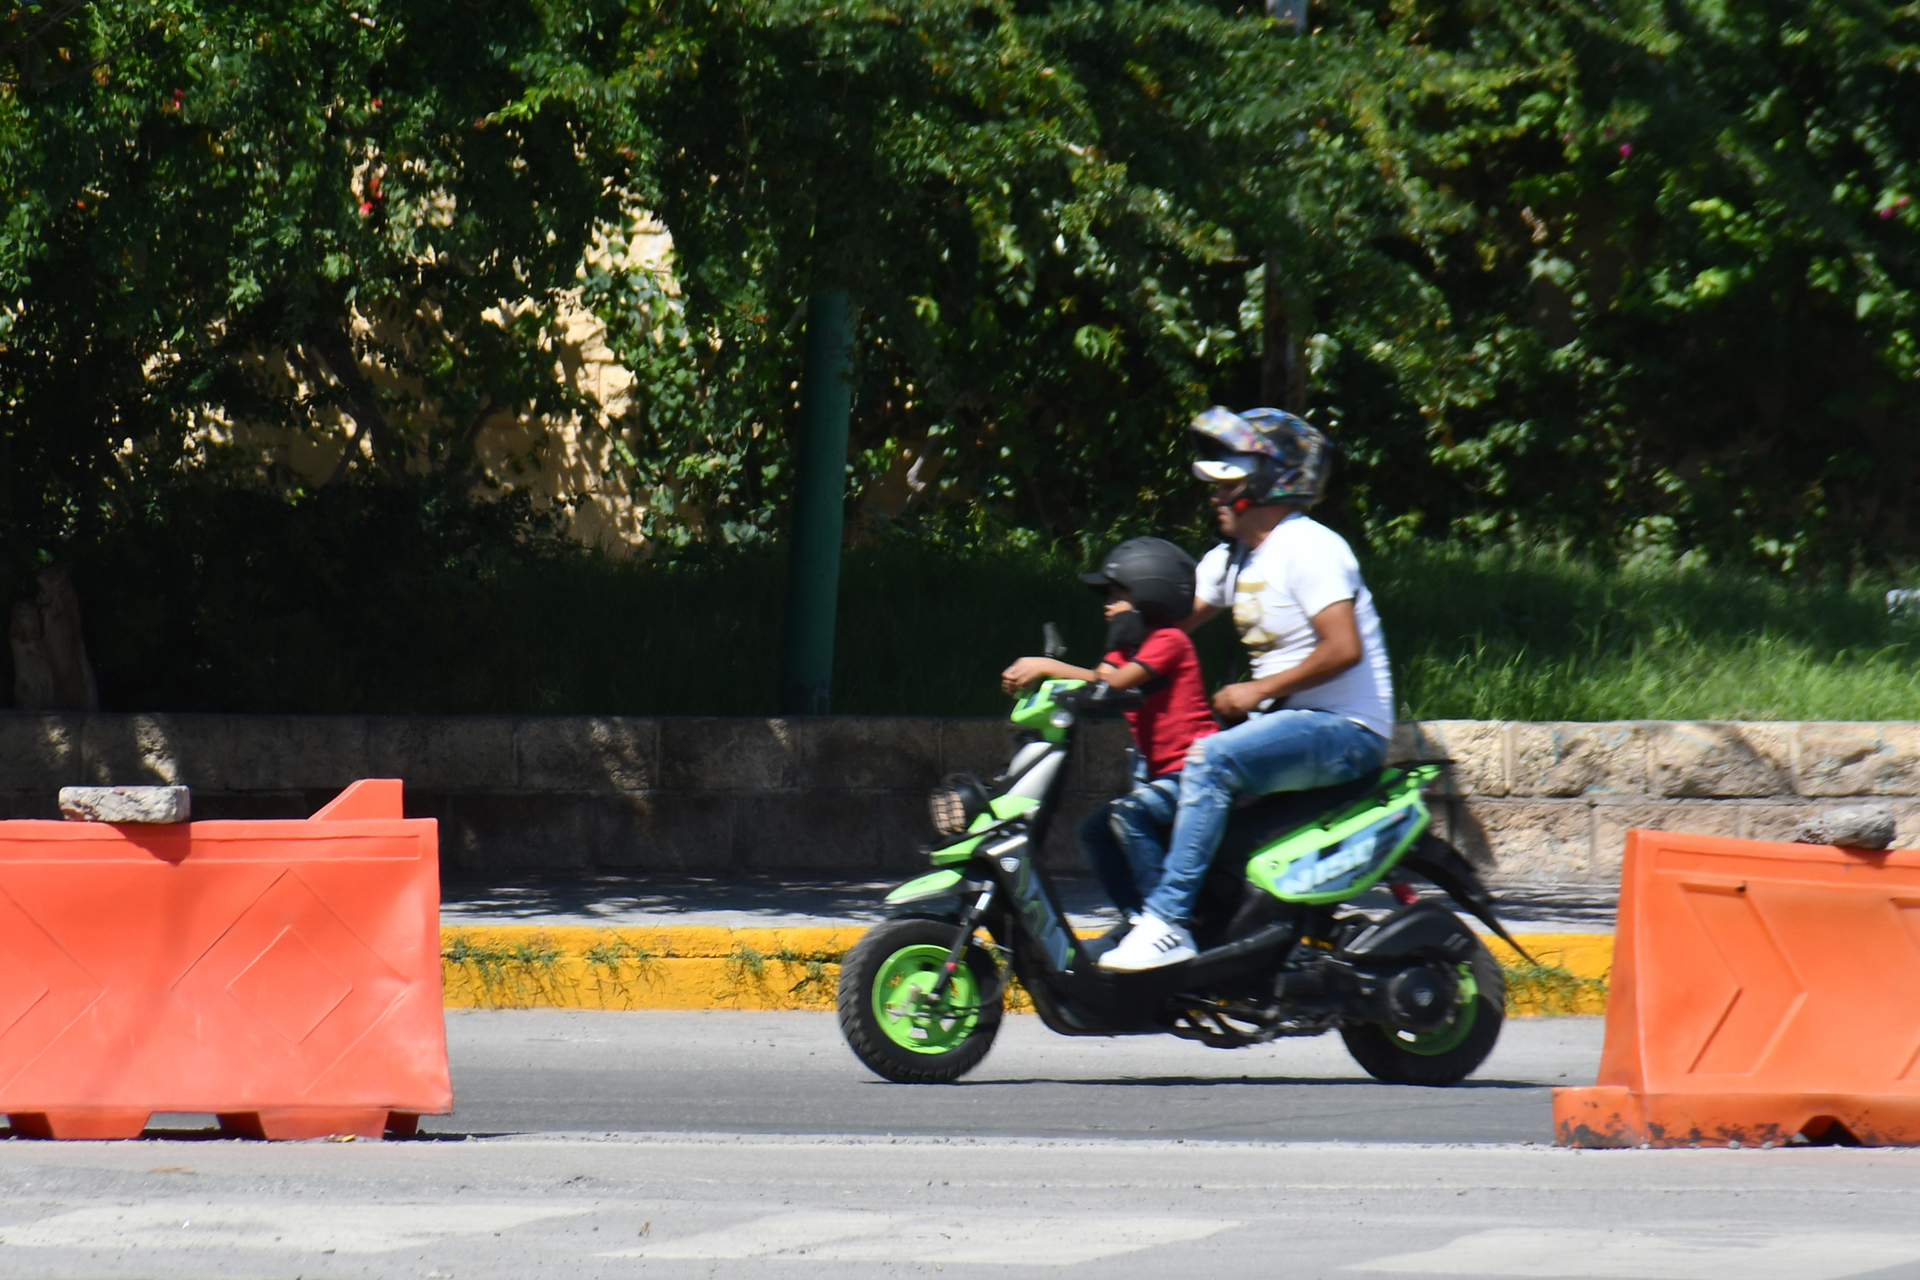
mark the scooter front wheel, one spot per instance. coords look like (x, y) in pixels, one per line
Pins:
(887, 1019)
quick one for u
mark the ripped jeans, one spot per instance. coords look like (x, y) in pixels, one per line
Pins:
(1287, 750)
(1125, 840)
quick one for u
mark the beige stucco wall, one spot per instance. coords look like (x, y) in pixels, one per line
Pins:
(569, 465)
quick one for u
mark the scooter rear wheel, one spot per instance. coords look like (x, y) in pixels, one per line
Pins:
(1446, 1054)
(899, 1037)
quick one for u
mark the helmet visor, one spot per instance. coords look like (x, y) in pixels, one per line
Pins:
(1235, 466)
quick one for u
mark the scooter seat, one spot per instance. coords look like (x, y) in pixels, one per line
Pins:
(1275, 815)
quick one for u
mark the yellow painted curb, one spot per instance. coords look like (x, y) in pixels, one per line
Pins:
(1569, 973)
(669, 967)
(714, 967)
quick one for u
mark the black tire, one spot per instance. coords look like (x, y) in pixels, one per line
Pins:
(882, 955)
(1386, 1054)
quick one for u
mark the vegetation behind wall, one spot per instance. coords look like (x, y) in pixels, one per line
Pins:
(348, 604)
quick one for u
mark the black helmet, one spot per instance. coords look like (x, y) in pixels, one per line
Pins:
(1157, 574)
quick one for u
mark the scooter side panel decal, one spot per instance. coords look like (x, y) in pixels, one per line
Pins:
(1321, 865)
(1333, 872)
(1036, 909)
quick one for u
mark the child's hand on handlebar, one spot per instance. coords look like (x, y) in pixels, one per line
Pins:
(1027, 670)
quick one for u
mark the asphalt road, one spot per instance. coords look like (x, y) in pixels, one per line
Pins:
(746, 1145)
(1006, 1209)
(532, 1071)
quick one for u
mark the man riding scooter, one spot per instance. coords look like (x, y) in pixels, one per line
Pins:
(1319, 708)
(1283, 950)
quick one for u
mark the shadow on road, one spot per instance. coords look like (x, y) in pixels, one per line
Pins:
(1216, 1081)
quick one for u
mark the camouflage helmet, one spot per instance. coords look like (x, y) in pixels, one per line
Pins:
(1278, 457)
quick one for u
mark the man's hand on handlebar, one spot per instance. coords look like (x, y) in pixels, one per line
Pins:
(1235, 702)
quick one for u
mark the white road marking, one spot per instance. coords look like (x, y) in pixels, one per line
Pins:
(343, 1228)
(983, 1237)
(1634, 1255)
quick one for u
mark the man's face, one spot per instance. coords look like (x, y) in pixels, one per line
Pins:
(1223, 499)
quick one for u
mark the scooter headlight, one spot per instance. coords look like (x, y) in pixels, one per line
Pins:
(956, 802)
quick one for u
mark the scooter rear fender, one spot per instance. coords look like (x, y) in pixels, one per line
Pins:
(1424, 929)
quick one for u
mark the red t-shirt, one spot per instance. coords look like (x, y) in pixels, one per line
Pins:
(1176, 714)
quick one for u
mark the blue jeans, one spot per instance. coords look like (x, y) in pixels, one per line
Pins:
(1125, 840)
(1279, 751)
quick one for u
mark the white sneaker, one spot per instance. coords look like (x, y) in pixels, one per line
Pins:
(1152, 944)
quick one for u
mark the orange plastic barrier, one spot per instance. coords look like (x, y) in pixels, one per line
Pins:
(282, 975)
(1760, 991)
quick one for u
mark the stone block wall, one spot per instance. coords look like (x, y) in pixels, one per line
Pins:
(846, 795)
(1545, 801)
(526, 795)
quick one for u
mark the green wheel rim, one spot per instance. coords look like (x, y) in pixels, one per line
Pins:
(1431, 1044)
(920, 1027)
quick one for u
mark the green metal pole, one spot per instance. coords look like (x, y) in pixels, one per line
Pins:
(819, 503)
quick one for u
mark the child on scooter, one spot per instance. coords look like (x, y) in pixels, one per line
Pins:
(1149, 584)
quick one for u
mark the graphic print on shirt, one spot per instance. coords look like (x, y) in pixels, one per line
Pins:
(1247, 614)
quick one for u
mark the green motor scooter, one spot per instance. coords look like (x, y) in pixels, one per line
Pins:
(1415, 994)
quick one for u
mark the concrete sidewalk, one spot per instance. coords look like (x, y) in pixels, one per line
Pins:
(656, 942)
(786, 902)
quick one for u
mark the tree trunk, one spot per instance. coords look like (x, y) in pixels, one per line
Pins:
(1283, 367)
(50, 667)
(32, 673)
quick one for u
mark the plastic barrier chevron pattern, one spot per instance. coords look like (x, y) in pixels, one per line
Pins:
(1761, 993)
(284, 976)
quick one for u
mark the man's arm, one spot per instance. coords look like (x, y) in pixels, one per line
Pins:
(1202, 614)
(1338, 650)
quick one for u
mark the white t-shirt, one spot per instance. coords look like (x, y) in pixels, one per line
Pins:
(1300, 569)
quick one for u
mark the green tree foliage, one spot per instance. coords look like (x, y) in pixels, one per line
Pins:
(1624, 272)
(287, 211)
(1664, 255)
(1640, 275)
(1031, 209)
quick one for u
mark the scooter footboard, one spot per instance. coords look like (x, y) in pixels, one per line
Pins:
(1098, 1001)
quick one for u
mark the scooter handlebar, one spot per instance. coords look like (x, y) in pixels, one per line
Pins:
(1100, 698)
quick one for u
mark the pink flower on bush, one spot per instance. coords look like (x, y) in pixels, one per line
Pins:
(366, 208)
(1626, 149)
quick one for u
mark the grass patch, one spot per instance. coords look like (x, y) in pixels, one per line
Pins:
(1544, 636)
(521, 973)
(747, 965)
(1534, 635)
(1547, 990)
